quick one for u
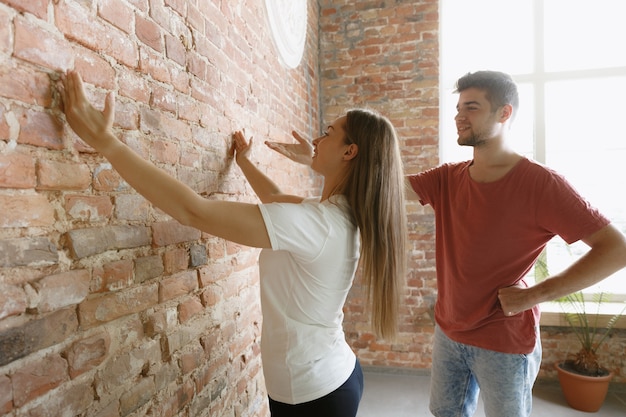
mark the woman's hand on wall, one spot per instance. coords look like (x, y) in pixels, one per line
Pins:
(90, 124)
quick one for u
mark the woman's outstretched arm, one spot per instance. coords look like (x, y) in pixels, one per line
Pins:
(263, 186)
(238, 222)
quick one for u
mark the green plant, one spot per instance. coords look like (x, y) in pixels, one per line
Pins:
(591, 333)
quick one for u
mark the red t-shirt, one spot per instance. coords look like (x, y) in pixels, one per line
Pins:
(488, 236)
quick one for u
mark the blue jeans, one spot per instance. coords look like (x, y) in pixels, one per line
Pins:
(460, 372)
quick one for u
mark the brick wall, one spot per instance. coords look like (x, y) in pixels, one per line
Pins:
(107, 306)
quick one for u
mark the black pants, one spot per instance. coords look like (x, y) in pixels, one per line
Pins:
(343, 402)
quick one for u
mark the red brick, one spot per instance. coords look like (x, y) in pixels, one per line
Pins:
(118, 14)
(154, 65)
(118, 274)
(88, 353)
(92, 208)
(13, 301)
(53, 175)
(26, 85)
(78, 25)
(172, 232)
(197, 65)
(37, 7)
(176, 128)
(175, 260)
(163, 99)
(177, 285)
(189, 109)
(17, 170)
(191, 157)
(195, 17)
(134, 87)
(163, 16)
(40, 47)
(212, 295)
(6, 34)
(165, 151)
(37, 378)
(192, 359)
(176, 50)
(20, 341)
(40, 129)
(6, 395)
(68, 400)
(61, 290)
(188, 309)
(28, 251)
(26, 211)
(147, 268)
(149, 33)
(95, 70)
(161, 321)
(128, 366)
(7, 132)
(127, 118)
(138, 394)
(132, 207)
(180, 81)
(114, 305)
(141, 5)
(88, 242)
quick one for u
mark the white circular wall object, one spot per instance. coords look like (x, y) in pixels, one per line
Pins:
(288, 23)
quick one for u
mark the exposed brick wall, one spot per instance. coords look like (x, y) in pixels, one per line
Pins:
(107, 306)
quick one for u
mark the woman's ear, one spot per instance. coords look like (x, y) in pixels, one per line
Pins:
(351, 151)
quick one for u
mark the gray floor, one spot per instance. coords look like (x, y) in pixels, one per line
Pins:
(401, 394)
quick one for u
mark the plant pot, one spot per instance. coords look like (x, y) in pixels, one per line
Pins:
(584, 393)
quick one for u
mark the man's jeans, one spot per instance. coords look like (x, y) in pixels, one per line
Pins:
(460, 371)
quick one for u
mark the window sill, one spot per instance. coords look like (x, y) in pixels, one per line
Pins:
(552, 314)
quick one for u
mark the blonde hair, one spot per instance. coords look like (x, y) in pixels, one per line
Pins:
(374, 188)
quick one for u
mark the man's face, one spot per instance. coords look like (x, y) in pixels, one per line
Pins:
(476, 122)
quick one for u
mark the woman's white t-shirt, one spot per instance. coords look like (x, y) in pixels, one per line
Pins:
(305, 279)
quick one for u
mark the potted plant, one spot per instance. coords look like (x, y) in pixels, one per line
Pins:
(584, 381)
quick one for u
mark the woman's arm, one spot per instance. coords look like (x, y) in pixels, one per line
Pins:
(237, 222)
(301, 152)
(264, 187)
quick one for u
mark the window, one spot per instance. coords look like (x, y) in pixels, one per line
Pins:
(568, 59)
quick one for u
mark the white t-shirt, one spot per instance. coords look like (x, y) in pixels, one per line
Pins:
(305, 279)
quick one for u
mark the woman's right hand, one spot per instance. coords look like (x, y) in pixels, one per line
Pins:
(301, 152)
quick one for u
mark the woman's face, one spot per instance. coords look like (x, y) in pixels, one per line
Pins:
(329, 149)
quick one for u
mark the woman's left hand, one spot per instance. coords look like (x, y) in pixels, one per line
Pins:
(90, 124)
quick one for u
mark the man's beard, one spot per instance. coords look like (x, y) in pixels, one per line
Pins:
(473, 140)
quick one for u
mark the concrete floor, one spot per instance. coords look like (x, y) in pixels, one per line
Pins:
(401, 394)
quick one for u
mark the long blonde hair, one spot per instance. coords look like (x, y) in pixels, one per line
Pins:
(374, 188)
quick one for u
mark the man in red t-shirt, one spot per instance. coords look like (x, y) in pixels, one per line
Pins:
(494, 215)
